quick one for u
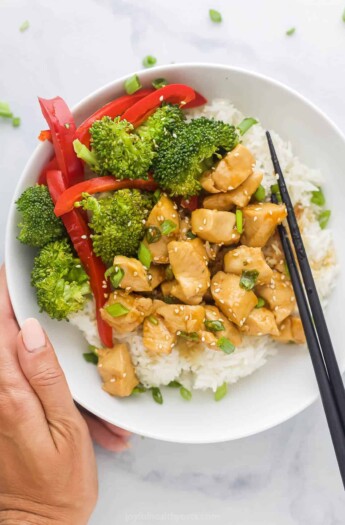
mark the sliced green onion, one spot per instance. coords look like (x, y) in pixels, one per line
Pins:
(214, 326)
(149, 61)
(261, 302)
(16, 122)
(185, 393)
(191, 235)
(239, 221)
(168, 299)
(157, 195)
(174, 384)
(153, 234)
(343, 17)
(215, 16)
(115, 275)
(25, 25)
(5, 110)
(169, 274)
(144, 255)
(116, 309)
(248, 279)
(221, 392)
(286, 270)
(139, 389)
(190, 336)
(226, 345)
(275, 189)
(157, 395)
(159, 83)
(323, 218)
(260, 194)
(167, 227)
(90, 357)
(132, 84)
(246, 124)
(318, 197)
(93, 349)
(290, 31)
(153, 320)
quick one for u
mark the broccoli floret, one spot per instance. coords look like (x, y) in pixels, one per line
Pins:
(39, 225)
(118, 150)
(163, 121)
(183, 157)
(118, 222)
(60, 281)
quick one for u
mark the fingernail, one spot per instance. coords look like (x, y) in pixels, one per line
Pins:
(33, 335)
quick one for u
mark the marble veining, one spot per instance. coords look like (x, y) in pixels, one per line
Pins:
(285, 476)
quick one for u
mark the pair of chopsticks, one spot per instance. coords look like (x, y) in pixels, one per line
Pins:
(316, 332)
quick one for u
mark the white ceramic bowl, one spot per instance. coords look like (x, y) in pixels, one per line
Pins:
(286, 384)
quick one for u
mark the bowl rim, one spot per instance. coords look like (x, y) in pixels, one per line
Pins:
(88, 98)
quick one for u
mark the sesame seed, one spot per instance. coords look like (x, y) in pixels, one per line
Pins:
(149, 277)
(128, 288)
(292, 299)
(129, 223)
(160, 346)
(112, 380)
(178, 332)
(106, 295)
(186, 317)
(100, 365)
(276, 308)
(217, 290)
(135, 274)
(221, 301)
(255, 218)
(176, 310)
(83, 237)
(260, 333)
(161, 98)
(204, 221)
(245, 192)
(78, 265)
(200, 228)
(203, 339)
(143, 221)
(282, 327)
(213, 344)
(236, 154)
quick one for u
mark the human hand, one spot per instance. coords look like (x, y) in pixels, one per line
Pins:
(47, 465)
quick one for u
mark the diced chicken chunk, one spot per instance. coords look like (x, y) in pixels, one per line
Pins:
(260, 221)
(230, 172)
(188, 261)
(260, 321)
(116, 370)
(274, 254)
(182, 318)
(138, 307)
(156, 336)
(135, 276)
(164, 210)
(214, 226)
(246, 258)
(156, 275)
(230, 331)
(291, 330)
(279, 295)
(235, 302)
(239, 197)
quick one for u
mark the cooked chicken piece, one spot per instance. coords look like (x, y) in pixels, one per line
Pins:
(156, 336)
(230, 172)
(291, 330)
(174, 289)
(274, 254)
(230, 332)
(235, 302)
(138, 308)
(260, 321)
(135, 274)
(182, 318)
(164, 210)
(245, 258)
(214, 226)
(116, 370)
(239, 197)
(260, 221)
(156, 275)
(188, 262)
(279, 295)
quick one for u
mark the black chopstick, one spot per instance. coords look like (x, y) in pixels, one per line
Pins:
(326, 392)
(314, 301)
(320, 346)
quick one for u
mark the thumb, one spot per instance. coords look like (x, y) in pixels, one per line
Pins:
(42, 369)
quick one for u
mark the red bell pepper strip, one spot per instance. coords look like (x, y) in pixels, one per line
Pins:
(190, 204)
(45, 134)
(172, 93)
(79, 233)
(65, 202)
(62, 127)
(199, 100)
(114, 109)
(51, 165)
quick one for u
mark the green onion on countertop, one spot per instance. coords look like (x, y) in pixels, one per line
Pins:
(25, 25)
(149, 61)
(215, 16)
(290, 31)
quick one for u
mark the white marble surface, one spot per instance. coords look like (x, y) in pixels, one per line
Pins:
(288, 475)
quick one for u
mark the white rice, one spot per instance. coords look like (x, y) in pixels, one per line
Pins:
(205, 368)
